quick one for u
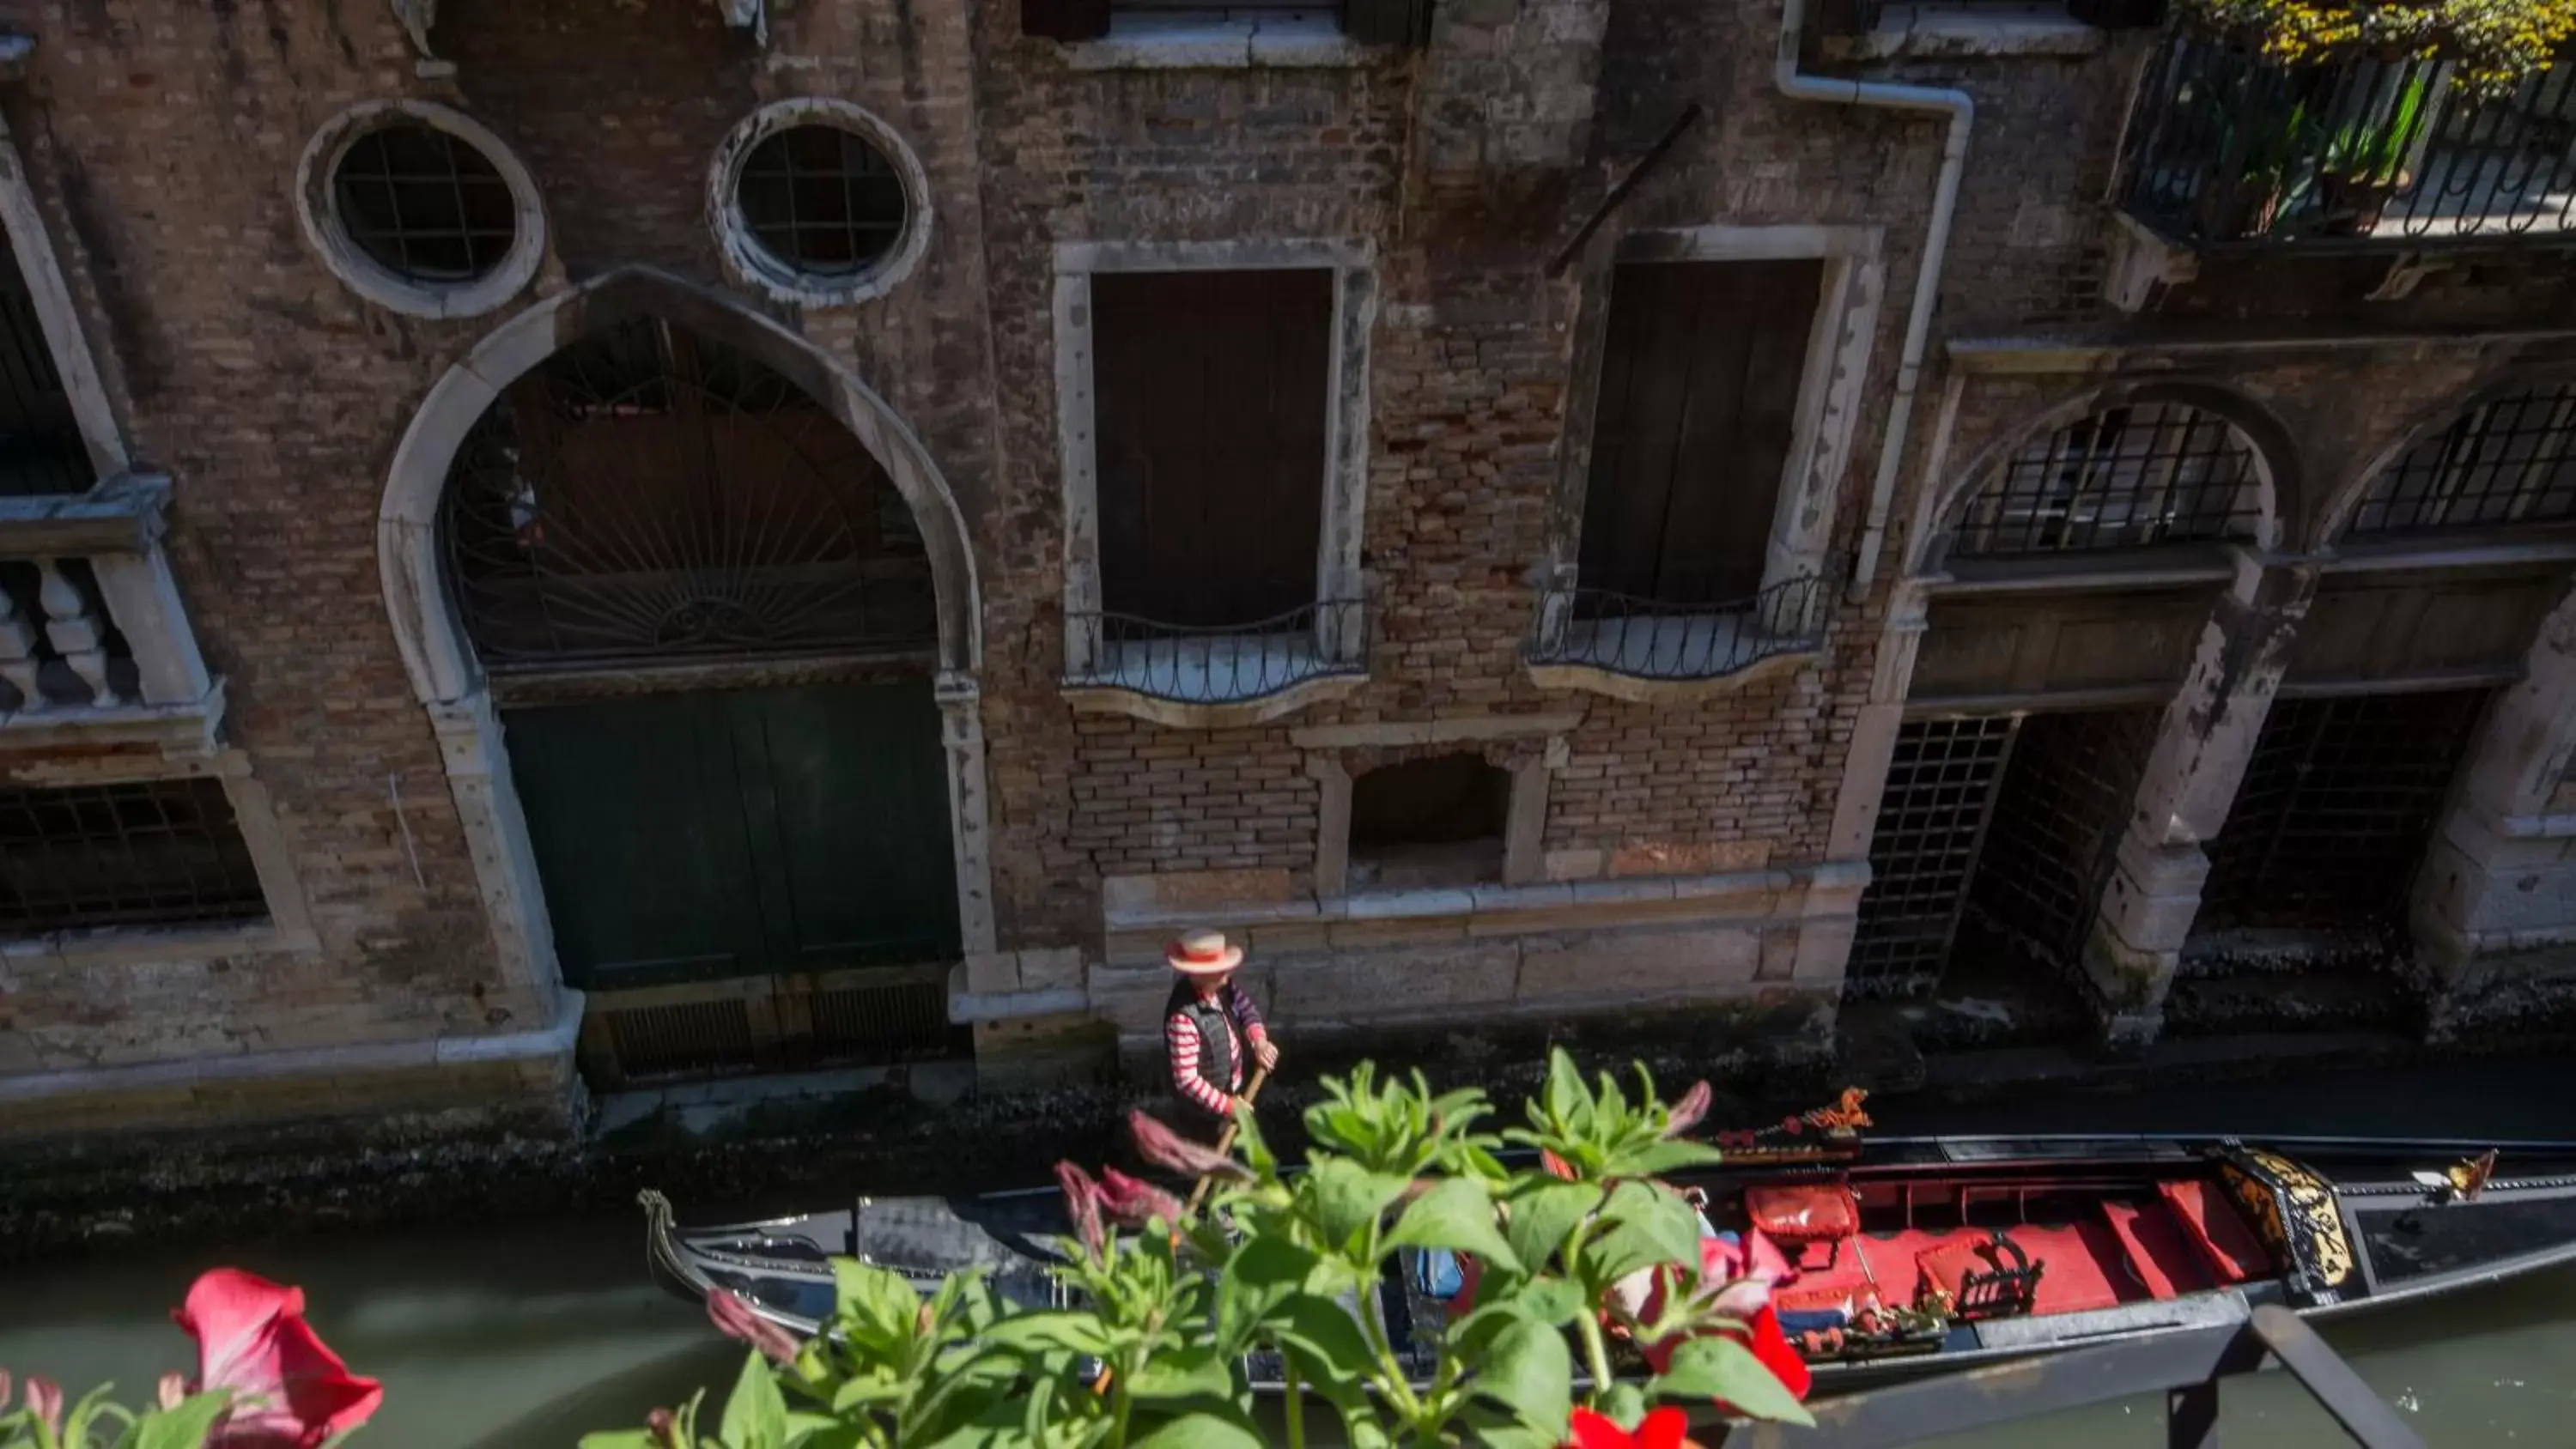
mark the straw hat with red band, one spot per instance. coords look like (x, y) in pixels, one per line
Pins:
(1203, 953)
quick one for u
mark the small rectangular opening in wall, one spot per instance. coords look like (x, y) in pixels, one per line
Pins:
(1210, 409)
(1434, 822)
(143, 853)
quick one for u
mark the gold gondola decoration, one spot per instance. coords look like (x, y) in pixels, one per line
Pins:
(2296, 1214)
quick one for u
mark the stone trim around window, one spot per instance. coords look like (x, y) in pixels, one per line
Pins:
(289, 927)
(1218, 39)
(750, 262)
(1339, 649)
(1531, 757)
(371, 279)
(1831, 393)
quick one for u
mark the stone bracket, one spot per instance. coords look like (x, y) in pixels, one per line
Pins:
(2142, 261)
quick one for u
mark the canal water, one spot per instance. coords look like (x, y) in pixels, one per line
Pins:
(529, 1334)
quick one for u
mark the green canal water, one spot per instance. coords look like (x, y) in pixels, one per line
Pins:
(528, 1334)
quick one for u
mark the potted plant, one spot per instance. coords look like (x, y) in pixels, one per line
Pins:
(2366, 158)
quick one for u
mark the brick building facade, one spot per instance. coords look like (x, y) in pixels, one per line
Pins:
(836, 528)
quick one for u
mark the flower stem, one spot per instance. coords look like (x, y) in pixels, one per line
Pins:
(1296, 1408)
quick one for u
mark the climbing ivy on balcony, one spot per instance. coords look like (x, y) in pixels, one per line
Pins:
(2494, 44)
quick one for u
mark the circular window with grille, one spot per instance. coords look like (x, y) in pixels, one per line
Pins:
(420, 209)
(819, 202)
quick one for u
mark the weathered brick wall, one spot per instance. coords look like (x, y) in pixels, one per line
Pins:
(163, 141)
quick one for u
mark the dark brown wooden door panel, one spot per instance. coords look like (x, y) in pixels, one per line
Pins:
(1693, 425)
(1209, 397)
(2389, 630)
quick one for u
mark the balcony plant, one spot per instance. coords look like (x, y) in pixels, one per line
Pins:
(2366, 158)
(2492, 45)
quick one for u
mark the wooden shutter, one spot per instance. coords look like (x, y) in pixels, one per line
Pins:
(1209, 404)
(1387, 22)
(1066, 20)
(1691, 433)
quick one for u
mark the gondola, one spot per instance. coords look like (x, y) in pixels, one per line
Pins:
(1914, 1255)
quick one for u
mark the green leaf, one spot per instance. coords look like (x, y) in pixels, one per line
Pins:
(1049, 1328)
(1647, 1226)
(1530, 1371)
(1331, 1350)
(878, 1301)
(1537, 1218)
(186, 1426)
(1718, 1367)
(1260, 1275)
(1198, 1372)
(1565, 1094)
(1346, 1198)
(755, 1416)
(1625, 1404)
(1200, 1431)
(1551, 1301)
(1457, 1214)
(1659, 1157)
(607, 1439)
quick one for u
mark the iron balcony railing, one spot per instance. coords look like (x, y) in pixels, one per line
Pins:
(2226, 148)
(1217, 664)
(1657, 639)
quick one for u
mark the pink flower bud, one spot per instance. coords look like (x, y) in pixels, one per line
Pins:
(734, 1315)
(1134, 1204)
(45, 1398)
(1687, 1112)
(174, 1391)
(1169, 1150)
(1082, 1204)
(664, 1426)
(4, 1389)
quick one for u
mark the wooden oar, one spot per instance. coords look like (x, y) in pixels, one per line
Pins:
(1225, 1139)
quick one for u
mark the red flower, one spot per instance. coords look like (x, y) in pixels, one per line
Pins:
(1687, 1112)
(1082, 1204)
(1158, 1144)
(1665, 1428)
(734, 1315)
(1125, 1200)
(290, 1391)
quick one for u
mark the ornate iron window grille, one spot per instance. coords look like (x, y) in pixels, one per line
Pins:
(147, 853)
(1940, 792)
(650, 496)
(1647, 638)
(822, 200)
(2335, 814)
(2226, 148)
(2509, 460)
(424, 204)
(2123, 477)
(1222, 664)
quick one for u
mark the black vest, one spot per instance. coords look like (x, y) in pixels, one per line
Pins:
(1216, 1040)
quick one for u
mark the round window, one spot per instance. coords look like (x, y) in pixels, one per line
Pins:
(819, 202)
(419, 209)
(424, 204)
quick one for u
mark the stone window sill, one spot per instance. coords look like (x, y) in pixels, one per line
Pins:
(1217, 39)
(1952, 32)
(152, 946)
(171, 729)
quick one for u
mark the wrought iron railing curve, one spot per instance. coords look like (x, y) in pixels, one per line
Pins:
(1208, 664)
(1660, 640)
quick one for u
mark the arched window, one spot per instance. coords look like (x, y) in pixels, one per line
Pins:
(2511, 459)
(2118, 477)
(649, 495)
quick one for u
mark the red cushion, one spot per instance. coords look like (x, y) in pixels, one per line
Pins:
(2157, 1249)
(1803, 1214)
(2233, 1253)
(1947, 1267)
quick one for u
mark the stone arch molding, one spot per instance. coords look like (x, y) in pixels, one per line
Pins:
(2275, 457)
(448, 679)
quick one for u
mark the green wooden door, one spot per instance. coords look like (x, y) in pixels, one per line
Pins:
(756, 832)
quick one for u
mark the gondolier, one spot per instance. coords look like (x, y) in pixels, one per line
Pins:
(1210, 1026)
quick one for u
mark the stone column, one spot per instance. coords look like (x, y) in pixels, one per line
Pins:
(2494, 908)
(2201, 752)
(961, 731)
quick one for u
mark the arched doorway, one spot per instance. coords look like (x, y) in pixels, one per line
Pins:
(692, 614)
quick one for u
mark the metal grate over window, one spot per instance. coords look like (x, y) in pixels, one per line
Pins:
(2336, 812)
(2510, 460)
(1931, 822)
(2119, 478)
(2057, 820)
(822, 200)
(423, 203)
(648, 495)
(147, 853)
